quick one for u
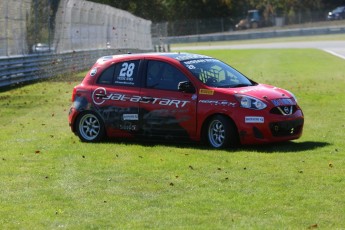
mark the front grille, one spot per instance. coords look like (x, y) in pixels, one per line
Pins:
(286, 128)
(284, 110)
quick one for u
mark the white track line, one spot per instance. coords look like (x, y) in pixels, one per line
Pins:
(334, 53)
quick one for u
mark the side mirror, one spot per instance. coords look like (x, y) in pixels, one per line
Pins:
(186, 87)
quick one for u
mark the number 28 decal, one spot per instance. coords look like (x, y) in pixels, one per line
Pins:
(127, 69)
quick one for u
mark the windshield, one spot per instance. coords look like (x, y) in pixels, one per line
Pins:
(215, 73)
(338, 9)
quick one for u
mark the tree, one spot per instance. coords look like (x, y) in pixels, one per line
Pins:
(172, 10)
(154, 10)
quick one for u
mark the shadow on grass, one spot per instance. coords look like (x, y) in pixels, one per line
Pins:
(280, 147)
(285, 147)
(158, 142)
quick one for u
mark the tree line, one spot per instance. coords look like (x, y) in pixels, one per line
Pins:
(172, 10)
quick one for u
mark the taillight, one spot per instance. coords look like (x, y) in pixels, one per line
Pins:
(74, 93)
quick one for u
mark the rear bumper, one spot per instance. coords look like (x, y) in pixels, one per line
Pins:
(72, 117)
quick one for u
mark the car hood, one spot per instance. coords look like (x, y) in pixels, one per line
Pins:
(264, 92)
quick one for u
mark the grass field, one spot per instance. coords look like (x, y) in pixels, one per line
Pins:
(50, 180)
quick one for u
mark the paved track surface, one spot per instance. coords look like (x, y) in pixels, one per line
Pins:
(336, 48)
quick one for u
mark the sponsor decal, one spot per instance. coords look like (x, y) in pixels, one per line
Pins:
(126, 74)
(124, 82)
(245, 91)
(100, 95)
(190, 64)
(253, 119)
(93, 72)
(206, 91)
(218, 102)
(128, 127)
(184, 57)
(283, 102)
(130, 117)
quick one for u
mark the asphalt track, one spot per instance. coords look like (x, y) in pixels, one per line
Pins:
(336, 48)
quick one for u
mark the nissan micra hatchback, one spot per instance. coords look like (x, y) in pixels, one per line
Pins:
(180, 96)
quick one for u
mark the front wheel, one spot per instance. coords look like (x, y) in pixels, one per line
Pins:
(90, 127)
(221, 133)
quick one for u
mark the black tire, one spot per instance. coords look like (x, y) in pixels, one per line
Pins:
(90, 127)
(221, 132)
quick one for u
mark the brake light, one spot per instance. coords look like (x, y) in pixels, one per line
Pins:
(74, 94)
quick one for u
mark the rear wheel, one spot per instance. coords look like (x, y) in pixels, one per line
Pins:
(221, 132)
(89, 127)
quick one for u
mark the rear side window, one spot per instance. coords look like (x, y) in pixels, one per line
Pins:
(122, 74)
(126, 73)
(106, 77)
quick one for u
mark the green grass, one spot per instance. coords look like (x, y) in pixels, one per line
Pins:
(50, 180)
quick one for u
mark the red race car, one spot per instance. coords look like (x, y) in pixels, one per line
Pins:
(179, 96)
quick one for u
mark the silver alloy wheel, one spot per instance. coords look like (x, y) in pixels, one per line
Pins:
(216, 133)
(89, 127)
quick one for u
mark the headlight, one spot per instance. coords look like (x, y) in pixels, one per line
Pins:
(250, 102)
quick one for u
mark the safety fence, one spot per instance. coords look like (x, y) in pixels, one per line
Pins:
(228, 24)
(20, 69)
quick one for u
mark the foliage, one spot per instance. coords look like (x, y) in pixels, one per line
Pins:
(171, 10)
(40, 22)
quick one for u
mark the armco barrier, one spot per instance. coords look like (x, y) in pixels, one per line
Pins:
(19, 69)
(251, 34)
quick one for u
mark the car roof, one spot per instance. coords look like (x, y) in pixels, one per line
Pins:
(175, 56)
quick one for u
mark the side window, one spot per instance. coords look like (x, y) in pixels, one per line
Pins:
(107, 76)
(123, 73)
(126, 73)
(161, 75)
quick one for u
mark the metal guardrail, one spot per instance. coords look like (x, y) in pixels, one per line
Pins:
(251, 34)
(20, 69)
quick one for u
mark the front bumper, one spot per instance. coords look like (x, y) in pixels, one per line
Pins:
(286, 128)
(275, 128)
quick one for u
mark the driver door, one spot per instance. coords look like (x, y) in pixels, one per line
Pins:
(165, 111)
